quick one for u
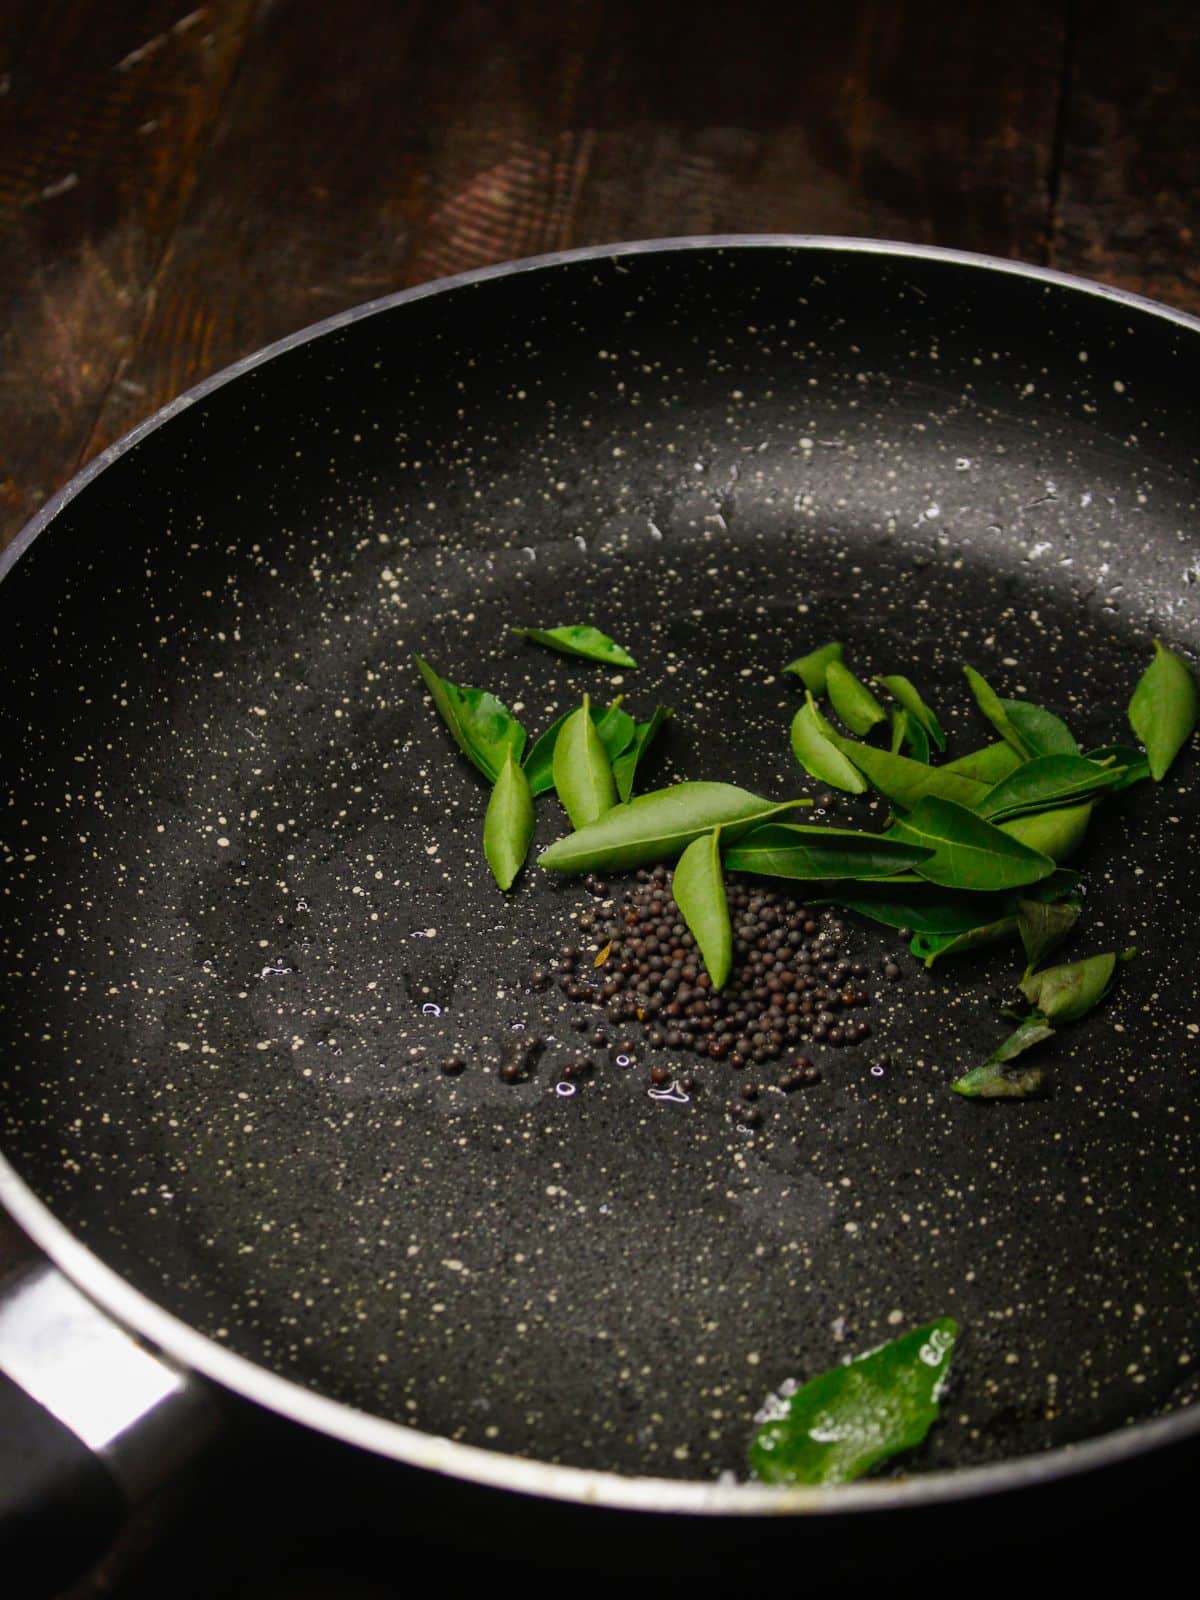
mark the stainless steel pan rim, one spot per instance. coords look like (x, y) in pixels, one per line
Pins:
(203, 1355)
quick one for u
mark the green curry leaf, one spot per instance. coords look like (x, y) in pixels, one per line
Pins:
(968, 852)
(818, 754)
(582, 771)
(837, 1426)
(580, 640)
(698, 886)
(483, 728)
(508, 825)
(625, 765)
(785, 850)
(811, 669)
(851, 699)
(1163, 709)
(905, 694)
(659, 826)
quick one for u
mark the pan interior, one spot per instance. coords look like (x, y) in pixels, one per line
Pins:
(246, 914)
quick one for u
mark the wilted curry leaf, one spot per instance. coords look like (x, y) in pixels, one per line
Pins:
(1066, 993)
(839, 1425)
(1044, 925)
(996, 1079)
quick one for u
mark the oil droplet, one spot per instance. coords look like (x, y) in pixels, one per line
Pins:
(672, 1092)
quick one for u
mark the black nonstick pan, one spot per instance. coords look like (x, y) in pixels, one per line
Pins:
(246, 916)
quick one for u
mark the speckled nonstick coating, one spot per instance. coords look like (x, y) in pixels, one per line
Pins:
(242, 863)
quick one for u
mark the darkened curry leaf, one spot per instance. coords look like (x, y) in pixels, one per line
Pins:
(837, 1426)
(1044, 925)
(582, 771)
(625, 766)
(930, 946)
(508, 826)
(920, 906)
(483, 728)
(785, 850)
(851, 699)
(580, 640)
(986, 919)
(659, 826)
(928, 910)
(1163, 709)
(996, 1078)
(968, 853)
(905, 694)
(698, 886)
(1064, 994)
(813, 667)
(817, 753)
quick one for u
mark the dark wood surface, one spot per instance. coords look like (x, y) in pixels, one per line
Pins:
(181, 182)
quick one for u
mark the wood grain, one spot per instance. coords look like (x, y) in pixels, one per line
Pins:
(919, 122)
(1128, 206)
(368, 147)
(105, 117)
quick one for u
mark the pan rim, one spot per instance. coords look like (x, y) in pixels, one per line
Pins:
(493, 1469)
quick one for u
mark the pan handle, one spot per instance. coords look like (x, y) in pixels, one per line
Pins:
(91, 1421)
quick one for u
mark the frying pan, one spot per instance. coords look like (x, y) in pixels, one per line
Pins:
(246, 913)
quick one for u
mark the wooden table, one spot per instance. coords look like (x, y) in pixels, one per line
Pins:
(181, 183)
